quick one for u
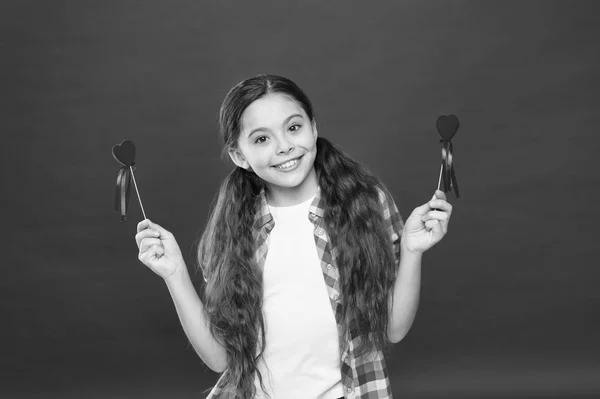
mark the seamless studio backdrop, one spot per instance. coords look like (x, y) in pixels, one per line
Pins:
(509, 304)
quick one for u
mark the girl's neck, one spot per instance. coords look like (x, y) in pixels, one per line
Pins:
(290, 196)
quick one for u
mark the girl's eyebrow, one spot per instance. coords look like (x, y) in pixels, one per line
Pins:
(286, 120)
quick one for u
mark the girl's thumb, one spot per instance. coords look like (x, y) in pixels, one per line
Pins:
(155, 226)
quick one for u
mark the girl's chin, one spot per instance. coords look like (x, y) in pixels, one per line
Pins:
(288, 182)
(285, 180)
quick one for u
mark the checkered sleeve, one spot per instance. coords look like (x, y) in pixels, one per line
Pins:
(392, 219)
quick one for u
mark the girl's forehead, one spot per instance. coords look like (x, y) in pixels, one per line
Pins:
(273, 108)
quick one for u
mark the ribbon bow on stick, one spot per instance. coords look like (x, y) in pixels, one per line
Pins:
(124, 153)
(447, 125)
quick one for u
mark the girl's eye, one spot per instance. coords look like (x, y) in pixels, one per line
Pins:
(295, 127)
(259, 138)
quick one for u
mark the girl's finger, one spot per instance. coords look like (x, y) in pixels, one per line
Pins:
(143, 225)
(148, 242)
(435, 215)
(440, 204)
(145, 233)
(430, 224)
(422, 209)
(440, 194)
(157, 251)
(161, 230)
(152, 253)
(442, 218)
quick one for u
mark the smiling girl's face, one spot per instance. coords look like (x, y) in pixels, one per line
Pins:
(274, 131)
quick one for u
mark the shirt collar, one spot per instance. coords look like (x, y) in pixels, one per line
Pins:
(263, 215)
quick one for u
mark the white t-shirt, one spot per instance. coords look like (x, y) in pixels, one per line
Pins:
(300, 329)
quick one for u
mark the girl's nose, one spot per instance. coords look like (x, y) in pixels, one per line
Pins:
(285, 146)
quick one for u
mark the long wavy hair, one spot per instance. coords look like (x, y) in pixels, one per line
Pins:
(233, 289)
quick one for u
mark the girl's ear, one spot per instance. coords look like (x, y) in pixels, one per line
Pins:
(314, 126)
(238, 158)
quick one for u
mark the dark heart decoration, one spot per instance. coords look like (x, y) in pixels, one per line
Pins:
(124, 153)
(447, 126)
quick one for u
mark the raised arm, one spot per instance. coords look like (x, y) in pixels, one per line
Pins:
(425, 227)
(160, 252)
(404, 300)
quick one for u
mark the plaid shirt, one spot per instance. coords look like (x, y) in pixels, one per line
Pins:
(363, 377)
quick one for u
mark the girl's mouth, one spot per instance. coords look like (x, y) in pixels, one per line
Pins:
(289, 165)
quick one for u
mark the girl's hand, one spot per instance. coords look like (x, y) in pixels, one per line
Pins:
(158, 249)
(425, 226)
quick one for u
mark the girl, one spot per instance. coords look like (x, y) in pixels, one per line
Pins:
(310, 272)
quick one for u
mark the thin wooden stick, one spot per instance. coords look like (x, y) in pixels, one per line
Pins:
(138, 193)
(439, 182)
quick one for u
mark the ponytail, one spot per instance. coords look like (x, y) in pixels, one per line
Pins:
(364, 251)
(233, 288)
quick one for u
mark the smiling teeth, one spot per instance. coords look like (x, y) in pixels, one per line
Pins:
(287, 165)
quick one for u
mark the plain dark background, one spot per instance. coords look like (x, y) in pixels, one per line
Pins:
(510, 304)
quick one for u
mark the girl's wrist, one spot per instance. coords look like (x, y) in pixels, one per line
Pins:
(177, 275)
(405, 251)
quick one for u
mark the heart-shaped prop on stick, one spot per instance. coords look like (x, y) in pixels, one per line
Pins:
(124, 153)
(447, 125)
